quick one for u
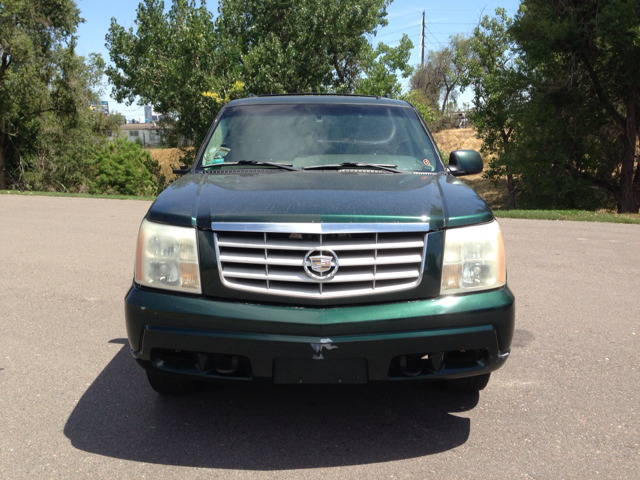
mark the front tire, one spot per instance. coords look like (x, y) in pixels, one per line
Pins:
(168, 385)
(468, 384)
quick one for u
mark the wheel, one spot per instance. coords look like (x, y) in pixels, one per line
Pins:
(168, 385)
(468, 384)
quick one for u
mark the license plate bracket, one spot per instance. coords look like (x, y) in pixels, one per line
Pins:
(343, 370)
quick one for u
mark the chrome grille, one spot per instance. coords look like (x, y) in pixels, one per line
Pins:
(269, 258)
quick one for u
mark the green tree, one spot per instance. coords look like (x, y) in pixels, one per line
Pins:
(59, 156)
(380, 68)
(422, 105)
(36, 73)
(188, 66)
(174, 61)
(443, 72)
(291, 46)
(501, 91)
(588, 52)
(108, 125)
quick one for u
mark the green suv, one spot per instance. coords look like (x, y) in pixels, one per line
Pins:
(320, 239)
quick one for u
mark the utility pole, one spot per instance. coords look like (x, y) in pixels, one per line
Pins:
(422, 42)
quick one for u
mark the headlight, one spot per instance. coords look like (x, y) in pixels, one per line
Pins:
(473, 259)
(167, 257)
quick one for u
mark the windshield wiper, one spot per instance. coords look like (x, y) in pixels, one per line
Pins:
(284, 166)
(338, 166)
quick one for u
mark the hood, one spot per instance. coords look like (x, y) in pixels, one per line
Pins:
(197, 199)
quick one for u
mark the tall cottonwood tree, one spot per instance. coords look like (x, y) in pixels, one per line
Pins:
(312, 45)
(501, 92)
(36, 47)
(175, 61)
(187, 65)
(588, 52)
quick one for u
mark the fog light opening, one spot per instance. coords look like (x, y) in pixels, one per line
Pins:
(411, 365)
(227, 364)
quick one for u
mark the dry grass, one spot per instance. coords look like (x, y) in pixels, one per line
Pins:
(457, 139)
(168, 158)
(465, 139)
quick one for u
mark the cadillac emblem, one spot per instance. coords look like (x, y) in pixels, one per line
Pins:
(321, 264)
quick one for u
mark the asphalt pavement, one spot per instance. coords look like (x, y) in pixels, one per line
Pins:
(73, 404)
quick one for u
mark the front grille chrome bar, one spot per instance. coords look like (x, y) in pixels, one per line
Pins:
(269, 257)
(319, 227)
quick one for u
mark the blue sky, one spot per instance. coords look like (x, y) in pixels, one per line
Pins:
(442, 20)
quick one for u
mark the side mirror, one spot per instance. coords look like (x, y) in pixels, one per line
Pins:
(465, 162)
(182, 170)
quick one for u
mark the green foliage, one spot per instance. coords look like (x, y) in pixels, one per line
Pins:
(379, 68)
(61, 156)
(50, 137)
(169, 61)
(308, 45)
(500, 82)
(61, 142)
(417, 100)
(37, 74)
(532, 135)
(108, 125)
(569, 215)
(124, 168)
(557, 97)
(563, 141)
(188, 66)
(441, 76)
(585, 55)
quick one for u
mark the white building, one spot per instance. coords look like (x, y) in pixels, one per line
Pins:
(148, 134)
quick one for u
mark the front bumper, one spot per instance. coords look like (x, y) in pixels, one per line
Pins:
(446, 337)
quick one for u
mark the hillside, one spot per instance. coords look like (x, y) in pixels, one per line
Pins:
(465, 139)
(168, 158)
(457, 139)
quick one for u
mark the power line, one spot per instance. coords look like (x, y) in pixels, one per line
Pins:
(434, 27)
(396, 31)
(432, 36)
(426, 41)
(422, 41)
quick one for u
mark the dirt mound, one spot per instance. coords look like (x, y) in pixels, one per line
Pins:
(465, 139)
(168, 158)
(457, 139)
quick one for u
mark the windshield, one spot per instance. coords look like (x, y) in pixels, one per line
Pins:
(305, 135)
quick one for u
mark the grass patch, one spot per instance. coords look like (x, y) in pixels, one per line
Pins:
(573, 215)
(81, 195)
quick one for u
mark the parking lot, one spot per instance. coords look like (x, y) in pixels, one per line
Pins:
(73, 404)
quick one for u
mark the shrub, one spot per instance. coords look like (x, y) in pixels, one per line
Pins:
(124, 168)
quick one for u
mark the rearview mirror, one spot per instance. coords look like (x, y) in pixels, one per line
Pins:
(465, 162)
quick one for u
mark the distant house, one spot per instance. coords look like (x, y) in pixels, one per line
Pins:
(147, 133)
